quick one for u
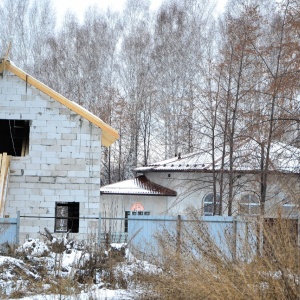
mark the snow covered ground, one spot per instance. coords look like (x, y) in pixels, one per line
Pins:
(35, 272)
(96, 294)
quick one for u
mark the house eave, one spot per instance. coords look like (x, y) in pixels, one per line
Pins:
(159, 170)
(139, 185)
(135, 194)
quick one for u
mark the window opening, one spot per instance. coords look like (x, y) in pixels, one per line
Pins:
(67, 217)
(133, 213)
(208, 204)
(139, 213)
(14, 136)
(249, 205)
(127, 213)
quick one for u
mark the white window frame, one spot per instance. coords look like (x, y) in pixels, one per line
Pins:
(139, 213)
(208, 202)
(67, 217)
(134, 213)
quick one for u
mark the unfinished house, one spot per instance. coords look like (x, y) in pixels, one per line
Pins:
(50, 154)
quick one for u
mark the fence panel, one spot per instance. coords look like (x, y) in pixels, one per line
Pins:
(246, 239)
(229, 234)
(222, 230)
(9, 231)
(142, 231)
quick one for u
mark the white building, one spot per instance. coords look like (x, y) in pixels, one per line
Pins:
(54, 149)
(171, 187)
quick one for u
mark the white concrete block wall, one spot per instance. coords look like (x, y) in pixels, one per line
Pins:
(63, 164)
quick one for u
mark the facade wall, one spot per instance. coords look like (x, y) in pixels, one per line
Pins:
(282, 194)
(63, 163)
(113, 206)
(191, 189)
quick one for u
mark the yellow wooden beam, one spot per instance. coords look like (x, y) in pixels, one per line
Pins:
(107, 139)
(2, 65)
(4, 163)
(109, 134)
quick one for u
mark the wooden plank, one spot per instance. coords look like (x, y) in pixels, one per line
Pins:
(23, 145)
(2, 66)
(4, 174)
(4, 155)
(107, 140)
(2, 184)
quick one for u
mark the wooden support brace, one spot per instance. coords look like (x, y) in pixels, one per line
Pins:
(4, 174)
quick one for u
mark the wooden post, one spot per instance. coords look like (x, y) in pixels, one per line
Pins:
(234, 244)
(18, 228)
(99, 229)
(178, 240)
(4, 167)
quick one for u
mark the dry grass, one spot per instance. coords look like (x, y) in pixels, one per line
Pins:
(265, 268)
(46, 274)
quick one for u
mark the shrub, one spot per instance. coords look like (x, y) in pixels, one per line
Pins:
(265, 266)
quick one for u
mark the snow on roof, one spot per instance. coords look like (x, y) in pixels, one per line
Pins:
(246, 157)
(193, 161)
(196, 161)
(138, 185)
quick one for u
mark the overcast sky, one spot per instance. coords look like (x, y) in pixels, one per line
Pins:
(79, 6)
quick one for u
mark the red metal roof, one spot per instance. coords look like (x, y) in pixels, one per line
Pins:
(138, 185)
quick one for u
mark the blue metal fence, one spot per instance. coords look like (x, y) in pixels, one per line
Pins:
(9, 230)
(230, 234)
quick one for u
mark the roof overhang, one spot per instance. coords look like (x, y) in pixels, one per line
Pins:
(210, 171)
(109, 134)
(140, 185)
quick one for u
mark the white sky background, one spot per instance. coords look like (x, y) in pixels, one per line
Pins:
(80, 6)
